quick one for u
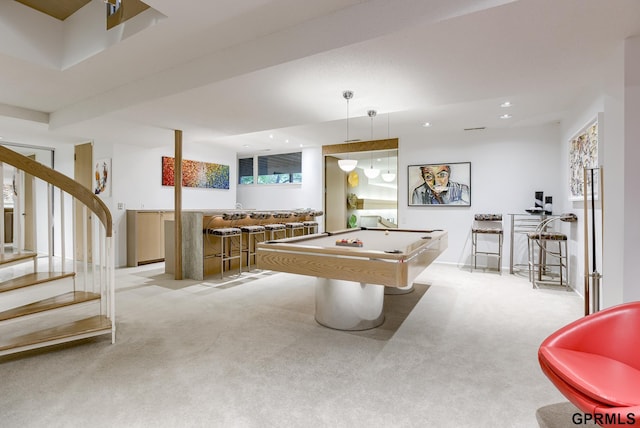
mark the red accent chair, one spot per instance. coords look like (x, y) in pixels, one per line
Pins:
(595, 363)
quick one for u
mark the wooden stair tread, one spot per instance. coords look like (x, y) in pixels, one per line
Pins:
(60, 301)
(87, 327)
(15, 257)
(32, 279)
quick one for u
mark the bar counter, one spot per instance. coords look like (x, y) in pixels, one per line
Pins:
(195, 246)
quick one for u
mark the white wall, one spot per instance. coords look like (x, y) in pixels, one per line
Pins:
(507, 167)
(521, 161)
(631, 171)
(585, 112)
(136, 182)
(308, 194)
(619, 155)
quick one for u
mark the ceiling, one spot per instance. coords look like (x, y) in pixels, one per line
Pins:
(59, 9)
(268, 75)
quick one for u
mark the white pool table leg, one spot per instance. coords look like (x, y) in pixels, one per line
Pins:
(348, 305)
(399, 290)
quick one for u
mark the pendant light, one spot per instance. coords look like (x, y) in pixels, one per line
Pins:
(371, 172)
(347, 165)
(388, 176)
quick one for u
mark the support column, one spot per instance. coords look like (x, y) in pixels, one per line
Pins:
(177, 204)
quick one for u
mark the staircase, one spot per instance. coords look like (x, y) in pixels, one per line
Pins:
(47, 298)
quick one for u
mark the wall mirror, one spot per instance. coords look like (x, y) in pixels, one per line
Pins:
(359, 198)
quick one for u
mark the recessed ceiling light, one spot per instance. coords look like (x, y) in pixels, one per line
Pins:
(286, 141)
(426, 125)
(301, 145)
(506, 116)
(506, 104)
(271, 136)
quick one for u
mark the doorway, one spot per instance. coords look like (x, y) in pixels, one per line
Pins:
(21, 192)
(353, 199)
(82, 171)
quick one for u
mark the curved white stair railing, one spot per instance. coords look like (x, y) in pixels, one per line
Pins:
(78, 303)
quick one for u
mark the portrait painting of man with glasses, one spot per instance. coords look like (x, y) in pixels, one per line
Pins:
(440, 184)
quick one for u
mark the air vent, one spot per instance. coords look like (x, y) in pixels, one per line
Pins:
(480, 128)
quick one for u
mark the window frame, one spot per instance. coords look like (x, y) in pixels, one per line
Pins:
(256, 173)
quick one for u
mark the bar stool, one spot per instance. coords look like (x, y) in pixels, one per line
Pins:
(311, 226)
(229, 240)
(294, 228)
(277, 230)
(542, 269)
(486, 224)
(251, 235)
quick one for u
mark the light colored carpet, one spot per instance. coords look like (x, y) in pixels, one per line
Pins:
(562, 415)
(460, 351)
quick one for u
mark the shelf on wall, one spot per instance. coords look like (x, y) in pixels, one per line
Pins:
(375, 204)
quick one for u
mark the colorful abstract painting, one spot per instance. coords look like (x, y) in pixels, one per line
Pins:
(583, 153)
(196, 174)
(102, 176)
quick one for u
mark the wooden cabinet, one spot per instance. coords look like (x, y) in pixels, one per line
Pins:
(145, 236)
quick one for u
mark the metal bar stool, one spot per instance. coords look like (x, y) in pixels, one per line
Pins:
(551, 266)
(251, 235)
(311, 226)
(277, 230)
(486, 224)
(230, 243)
(294, 228)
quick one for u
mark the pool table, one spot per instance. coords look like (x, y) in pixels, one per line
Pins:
(351, 275)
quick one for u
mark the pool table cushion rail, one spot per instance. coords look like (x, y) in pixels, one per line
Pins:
(300, 256)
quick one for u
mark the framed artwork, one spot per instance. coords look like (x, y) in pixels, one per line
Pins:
(204, 175)
(583, 153)
(102, 176)
(440, 184)
(8, 194)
